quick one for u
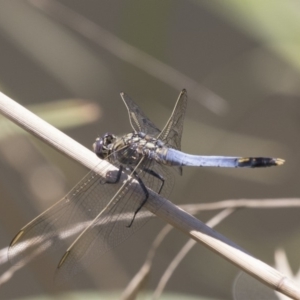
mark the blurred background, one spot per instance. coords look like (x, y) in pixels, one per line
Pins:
(68, 60)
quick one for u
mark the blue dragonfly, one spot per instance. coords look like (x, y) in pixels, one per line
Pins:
(104, 211)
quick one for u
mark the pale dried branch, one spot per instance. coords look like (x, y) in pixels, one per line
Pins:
(156, 204)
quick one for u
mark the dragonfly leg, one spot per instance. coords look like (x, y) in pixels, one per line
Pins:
(145, 199)
(101, 181)
(158, 176)
(117, 177)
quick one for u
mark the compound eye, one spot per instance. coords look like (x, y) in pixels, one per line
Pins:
(102, 145)
(98, 147)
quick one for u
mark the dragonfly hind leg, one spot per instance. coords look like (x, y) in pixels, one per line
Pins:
(158, 176)
(154, 174)
(145, 199)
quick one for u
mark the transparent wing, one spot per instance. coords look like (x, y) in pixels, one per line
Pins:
(111, 227)
(65, 219)
(74, 213)
(172, 132)
(138, 120)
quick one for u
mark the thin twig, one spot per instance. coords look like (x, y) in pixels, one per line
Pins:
(136, 283)
(138, 280)
(242, 203)
(156, 204)
(214, 221)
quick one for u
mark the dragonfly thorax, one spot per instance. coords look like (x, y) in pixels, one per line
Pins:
(129, 149)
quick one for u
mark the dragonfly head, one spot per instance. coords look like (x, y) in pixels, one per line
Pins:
(102, 145)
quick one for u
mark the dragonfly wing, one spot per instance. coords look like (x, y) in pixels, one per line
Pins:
(63, 220)
(138, 120)
(105, 232)
(172, 132)
(74, 213)
(110, 227)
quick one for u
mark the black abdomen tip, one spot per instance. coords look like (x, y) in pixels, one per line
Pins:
(259, 162)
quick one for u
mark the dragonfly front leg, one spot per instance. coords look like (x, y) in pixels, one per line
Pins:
(136, 176)
(117, 177)
(85, 186)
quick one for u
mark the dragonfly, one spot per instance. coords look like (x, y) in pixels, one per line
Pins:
(103, 210)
